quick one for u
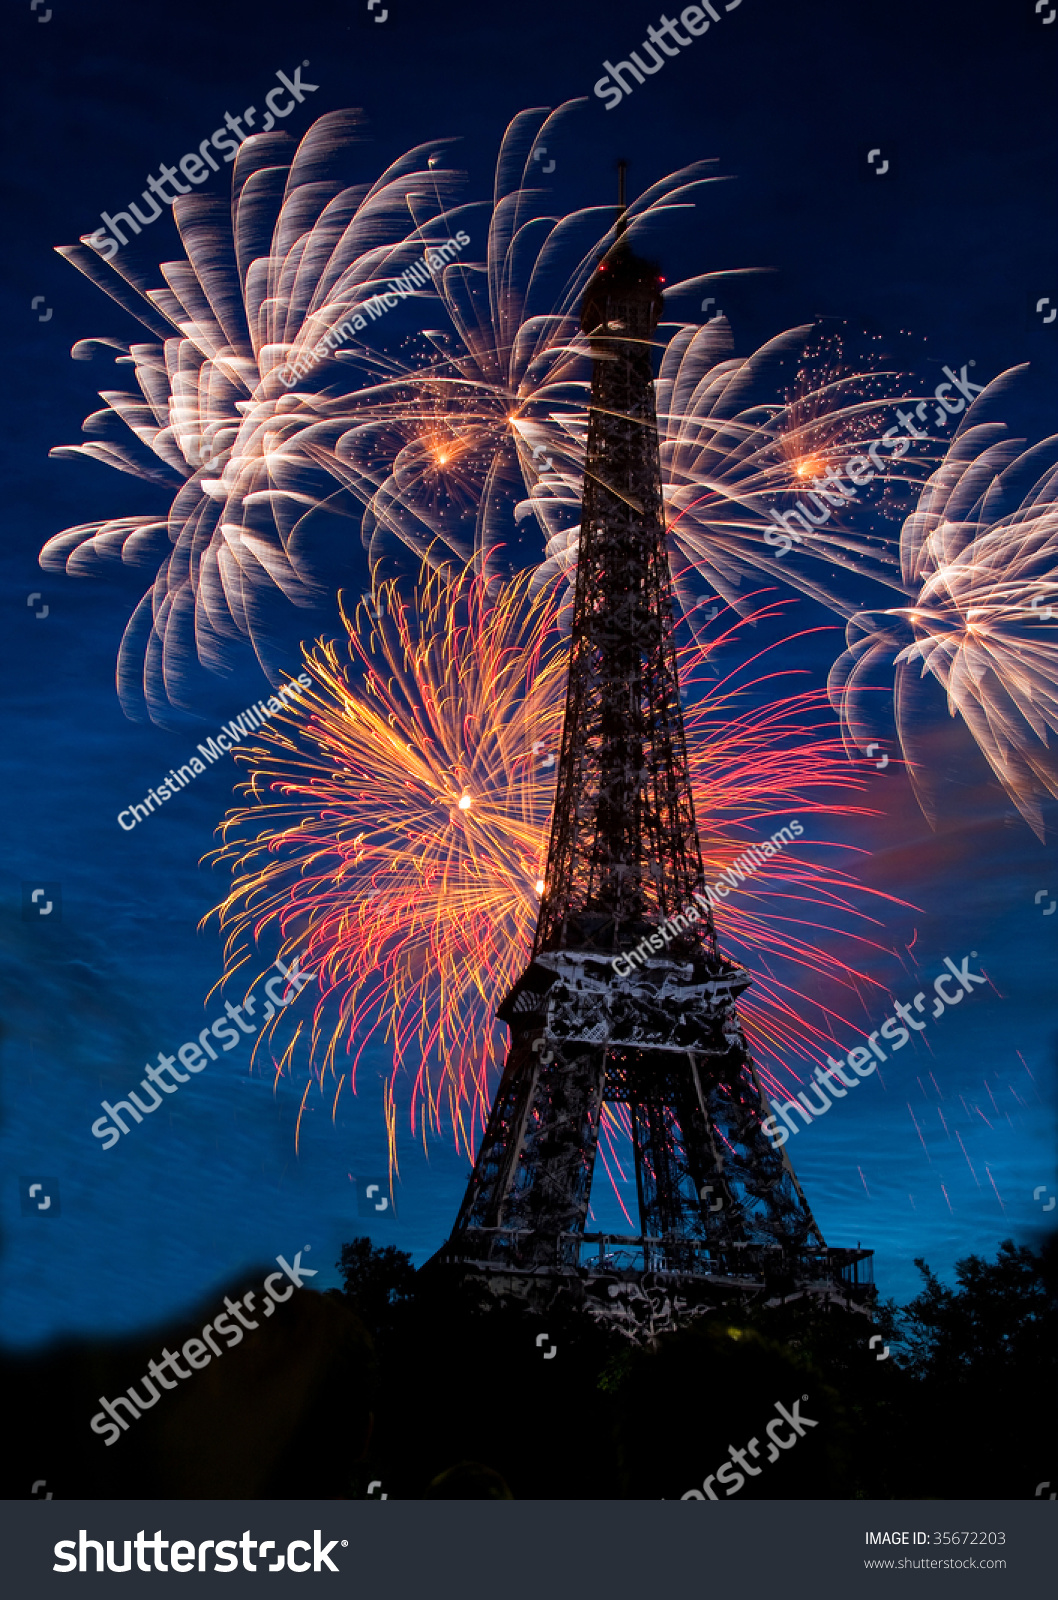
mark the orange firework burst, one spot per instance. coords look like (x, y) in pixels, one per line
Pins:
(395, 832)
(403, 829)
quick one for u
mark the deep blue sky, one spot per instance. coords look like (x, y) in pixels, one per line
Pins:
(955, 248)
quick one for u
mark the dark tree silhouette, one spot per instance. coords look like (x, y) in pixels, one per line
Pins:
(981, 1363)
(378, 1282)
(1000, 1320)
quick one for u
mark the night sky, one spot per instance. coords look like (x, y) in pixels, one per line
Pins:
(955, 246)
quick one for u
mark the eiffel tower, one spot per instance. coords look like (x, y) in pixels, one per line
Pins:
(721, 1214)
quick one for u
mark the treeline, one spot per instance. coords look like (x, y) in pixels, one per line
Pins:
(964, 1405)
(414, 1385)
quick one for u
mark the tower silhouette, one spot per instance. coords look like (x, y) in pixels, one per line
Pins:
(721, 1214)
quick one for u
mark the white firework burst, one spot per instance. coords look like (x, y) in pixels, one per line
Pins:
(980, 568)
(435, 435)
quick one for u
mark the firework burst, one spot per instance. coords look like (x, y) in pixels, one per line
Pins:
(741, 437)
(396, 831)
(980, 563)
(442, 425)
(401, 830)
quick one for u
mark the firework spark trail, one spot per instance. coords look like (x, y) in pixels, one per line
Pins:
(424, 441)
(397, 834)
(964, 1126)
(918, 1130)
(999, 1197)
(608, 1128)
(969, 1163)
(441, 429)
(748, 767)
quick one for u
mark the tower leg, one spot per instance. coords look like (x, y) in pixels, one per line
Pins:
(528, 1200)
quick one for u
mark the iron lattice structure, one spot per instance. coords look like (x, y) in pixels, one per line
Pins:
(717, 1201)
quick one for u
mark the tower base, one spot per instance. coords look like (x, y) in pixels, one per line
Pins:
(643, 1304)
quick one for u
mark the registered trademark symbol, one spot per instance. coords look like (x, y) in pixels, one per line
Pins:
(804, 1397)
(344, 1543)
